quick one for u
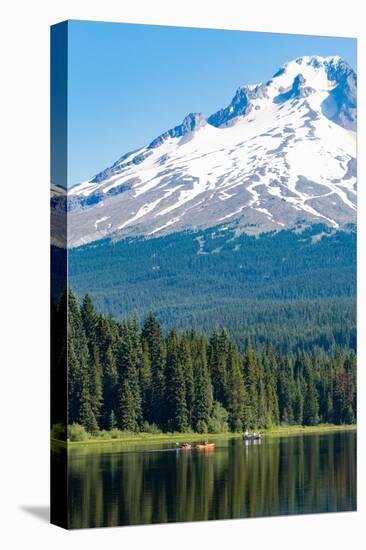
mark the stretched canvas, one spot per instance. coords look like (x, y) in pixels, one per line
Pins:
(203, 249)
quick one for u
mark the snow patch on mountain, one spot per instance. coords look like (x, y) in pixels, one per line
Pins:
(280, 152)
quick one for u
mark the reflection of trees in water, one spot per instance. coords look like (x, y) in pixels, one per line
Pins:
(280, 476)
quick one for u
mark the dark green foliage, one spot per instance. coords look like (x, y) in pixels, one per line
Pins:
(59, 359)
(76, 432)
(294, 288)
(236, 395)
(80, 371)
(218, 355)
(218, 422)
(129, 363)
(145, 379)
(203, 387)
(128, 410)
(121, 376)
(89, 318)
(251, 385)
(270, 365)
(112, 422)
(287, 394)
(155, 352)
(187, 366)
(345, 389)
(106, 337)
(311, 401)
(177, 411)
(350, 388)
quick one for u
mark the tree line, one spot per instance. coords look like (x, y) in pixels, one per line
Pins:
(217, 276)
(142, 378)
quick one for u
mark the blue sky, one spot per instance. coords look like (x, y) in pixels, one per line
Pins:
(129, 83)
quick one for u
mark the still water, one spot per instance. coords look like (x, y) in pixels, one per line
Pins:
(113, 485)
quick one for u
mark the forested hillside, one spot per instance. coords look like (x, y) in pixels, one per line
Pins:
(123, 375)
(296, 288)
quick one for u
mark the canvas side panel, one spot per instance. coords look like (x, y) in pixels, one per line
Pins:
(59, 59)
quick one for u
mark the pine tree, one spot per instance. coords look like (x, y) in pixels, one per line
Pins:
(128, 365)
(203, 388)
(325, 391)
(127, 413)
(73, 372)
(79, 372)
(86, 413)
(299, 400)
(236, 395)
(270, 366)
(89, 318)
(176, 398)
(262, 417)
(311, 402)
(152, 335)
(121, 376)
(186, 361)
(350, 389)
(107, 341)
(250, 380)
(286, 390)
(59, 359)
(112, 421)
(96, 387)
(217, 363)
(145, 380)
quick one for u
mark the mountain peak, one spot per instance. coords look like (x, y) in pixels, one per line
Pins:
(240, 104)
(315, 61)
(278, 154)
(191, 123)
(296, 91)
(296, 79)
(334, 68)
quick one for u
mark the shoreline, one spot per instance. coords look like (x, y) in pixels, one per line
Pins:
(146, 438)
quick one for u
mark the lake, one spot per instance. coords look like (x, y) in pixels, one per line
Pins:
(119, 484)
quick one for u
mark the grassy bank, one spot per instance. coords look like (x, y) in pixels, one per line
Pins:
(298, 429)
(141, 438)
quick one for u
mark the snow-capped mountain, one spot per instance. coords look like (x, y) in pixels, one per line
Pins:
(280, 152)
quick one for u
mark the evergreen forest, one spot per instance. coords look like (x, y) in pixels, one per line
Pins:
(137, 376)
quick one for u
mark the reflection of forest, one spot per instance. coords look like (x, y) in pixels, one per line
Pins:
(294, 475)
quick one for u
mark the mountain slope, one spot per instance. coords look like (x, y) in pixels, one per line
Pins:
(280, 152)
(272, 286)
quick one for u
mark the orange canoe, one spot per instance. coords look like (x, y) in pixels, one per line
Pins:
(205, 446)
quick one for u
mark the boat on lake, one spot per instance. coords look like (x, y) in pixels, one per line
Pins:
(252, 437)
(185, 446)
(205, 446)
